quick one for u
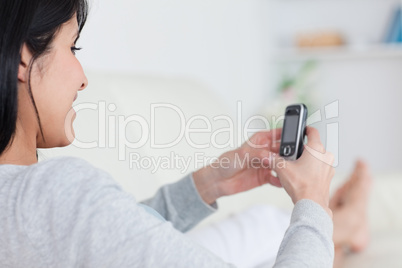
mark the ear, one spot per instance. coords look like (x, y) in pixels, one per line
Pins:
(26, 56)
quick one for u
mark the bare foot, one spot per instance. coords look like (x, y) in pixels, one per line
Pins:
(349, 206)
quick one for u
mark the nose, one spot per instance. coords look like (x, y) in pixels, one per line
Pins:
(84, 83)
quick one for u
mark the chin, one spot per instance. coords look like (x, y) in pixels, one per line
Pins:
(65, 143)
(65, 138)
(48, 145)
(69, 136)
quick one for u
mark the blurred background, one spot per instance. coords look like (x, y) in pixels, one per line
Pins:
(269, 53)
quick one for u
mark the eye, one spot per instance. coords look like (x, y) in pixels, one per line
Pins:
(74, 49)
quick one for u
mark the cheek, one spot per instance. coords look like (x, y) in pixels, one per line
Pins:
(54, 99)
(62, 82)
(54, 94)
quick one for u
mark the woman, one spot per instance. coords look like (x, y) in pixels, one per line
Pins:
(63, 212)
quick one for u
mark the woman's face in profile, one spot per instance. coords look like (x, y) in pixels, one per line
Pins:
(55, 80)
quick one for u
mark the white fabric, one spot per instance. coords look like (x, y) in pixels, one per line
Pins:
(247, 239)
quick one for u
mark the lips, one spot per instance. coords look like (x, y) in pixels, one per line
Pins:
(76, 95)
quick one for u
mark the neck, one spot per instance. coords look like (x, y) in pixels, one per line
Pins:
(23, 149)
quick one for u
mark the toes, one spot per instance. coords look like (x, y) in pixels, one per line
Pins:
(337, 199)
(364, 177)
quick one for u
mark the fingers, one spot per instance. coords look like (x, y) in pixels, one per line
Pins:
(276, 145)
(274, 181)
(270, 178)
(261, 146)
(275, 134)
(277, 163)
(265, 138)
(276, 140)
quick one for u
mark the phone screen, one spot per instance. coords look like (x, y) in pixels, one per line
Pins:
(290, 128)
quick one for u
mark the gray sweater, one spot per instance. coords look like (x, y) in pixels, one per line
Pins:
(64, 212)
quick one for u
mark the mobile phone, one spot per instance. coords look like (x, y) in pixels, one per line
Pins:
(293, 132)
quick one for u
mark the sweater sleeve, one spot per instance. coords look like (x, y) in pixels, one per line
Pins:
(181, 204)
(75, 215)
(308, 240)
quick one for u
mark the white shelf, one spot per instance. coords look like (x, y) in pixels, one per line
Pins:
(338, 53)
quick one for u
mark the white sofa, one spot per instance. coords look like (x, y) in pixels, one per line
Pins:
(133, 95)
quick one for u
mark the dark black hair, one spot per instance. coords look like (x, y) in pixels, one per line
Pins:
(35, 23)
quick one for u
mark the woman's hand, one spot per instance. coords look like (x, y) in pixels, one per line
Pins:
(309, 177)
(241, 169)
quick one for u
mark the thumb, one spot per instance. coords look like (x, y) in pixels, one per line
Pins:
(277, 163)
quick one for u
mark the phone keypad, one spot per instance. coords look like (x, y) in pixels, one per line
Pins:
(287, 150)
